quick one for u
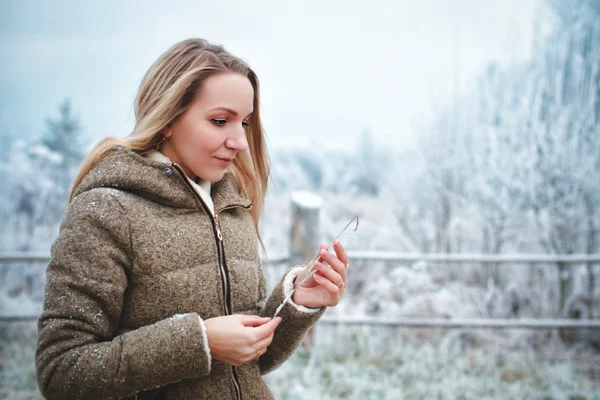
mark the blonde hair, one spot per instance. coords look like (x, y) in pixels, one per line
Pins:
(166, 91)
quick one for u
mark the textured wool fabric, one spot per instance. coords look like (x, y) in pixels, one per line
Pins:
(133, 274)
(203, 187)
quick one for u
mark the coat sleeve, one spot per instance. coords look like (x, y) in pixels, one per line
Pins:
(295, 323)
(80, 354)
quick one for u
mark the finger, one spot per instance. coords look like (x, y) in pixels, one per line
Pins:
(255, 354)
(330, 274)
(327, 284)
(343, 257)
(263, 344)
(337, 269)
(334, 262)
(341, 252)
(267, 329)
(254, 320)
(263, 350)
(323, 247)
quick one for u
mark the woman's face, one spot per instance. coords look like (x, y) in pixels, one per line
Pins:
(209, 134)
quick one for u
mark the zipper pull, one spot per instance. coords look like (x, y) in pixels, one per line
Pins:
(219, 234)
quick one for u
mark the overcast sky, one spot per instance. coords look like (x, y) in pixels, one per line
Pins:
(328, 69)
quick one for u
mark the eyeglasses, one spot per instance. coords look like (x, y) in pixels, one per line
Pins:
(310, 266)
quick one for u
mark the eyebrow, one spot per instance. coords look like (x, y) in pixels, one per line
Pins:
(229, 110)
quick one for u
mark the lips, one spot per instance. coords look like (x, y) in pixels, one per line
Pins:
(225, 162)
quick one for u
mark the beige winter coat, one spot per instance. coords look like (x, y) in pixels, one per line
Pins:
(136, 268)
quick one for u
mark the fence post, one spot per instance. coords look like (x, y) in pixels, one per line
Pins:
(305, 236)
(305, 233)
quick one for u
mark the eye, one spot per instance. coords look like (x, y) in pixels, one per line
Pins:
(218, 121)
(245, 124)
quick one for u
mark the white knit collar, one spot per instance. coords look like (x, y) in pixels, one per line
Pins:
(203, 187)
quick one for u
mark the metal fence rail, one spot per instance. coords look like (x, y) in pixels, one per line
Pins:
(29, 258)
(18, 317)
(513, 323)
(474, 257)
(521, 323)
(32, 258)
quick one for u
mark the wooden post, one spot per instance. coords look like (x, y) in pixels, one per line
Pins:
(305, 237)
(305, 230)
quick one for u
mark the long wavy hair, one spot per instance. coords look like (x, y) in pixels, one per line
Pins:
(167, 90)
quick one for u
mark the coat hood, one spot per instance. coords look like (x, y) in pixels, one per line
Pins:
(161, 182)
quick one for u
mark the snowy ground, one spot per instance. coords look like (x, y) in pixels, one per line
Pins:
(407, 370)
(371, 363)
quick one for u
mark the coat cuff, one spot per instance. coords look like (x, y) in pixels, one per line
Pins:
(294, 324)
(204, 338)
(288, 286)
(205, 341)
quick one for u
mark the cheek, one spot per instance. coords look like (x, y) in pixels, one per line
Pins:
(203, 139)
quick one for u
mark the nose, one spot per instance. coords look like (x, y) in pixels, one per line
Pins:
(238, 141)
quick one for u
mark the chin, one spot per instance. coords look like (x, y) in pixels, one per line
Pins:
(216, 176)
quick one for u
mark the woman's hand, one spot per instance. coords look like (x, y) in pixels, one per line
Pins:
(326, 286)
(237, 339)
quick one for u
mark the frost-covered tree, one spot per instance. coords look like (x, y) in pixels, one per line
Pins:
(37, 177)
(367, 167)
(63, 138)
(526, 158)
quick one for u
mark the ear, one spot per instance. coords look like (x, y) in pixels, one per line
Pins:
(167, 131)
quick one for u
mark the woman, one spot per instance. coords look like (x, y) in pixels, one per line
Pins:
(155, 288)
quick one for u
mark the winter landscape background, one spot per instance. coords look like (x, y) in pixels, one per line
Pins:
(508, 163)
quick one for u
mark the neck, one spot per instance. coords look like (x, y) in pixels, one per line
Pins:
(167, 150)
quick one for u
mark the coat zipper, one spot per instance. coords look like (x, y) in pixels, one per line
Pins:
(224, 275)
(226, 295)
(222, 266)
(227, 289)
